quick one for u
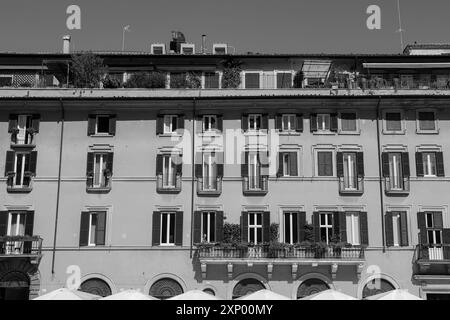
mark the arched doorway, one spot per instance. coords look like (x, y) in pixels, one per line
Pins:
(247, 286)
(14, 285)
(96, 286)
(311, 286)
(372, 287)
(165, 288)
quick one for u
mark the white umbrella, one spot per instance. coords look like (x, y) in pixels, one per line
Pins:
(66, 294)
(398, 294)
(329, 294)
(263, 294)
(195, 295)
(129, 295)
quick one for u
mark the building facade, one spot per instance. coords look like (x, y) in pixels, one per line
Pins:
(308, 172)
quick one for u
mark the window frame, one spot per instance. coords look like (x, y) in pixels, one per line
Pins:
(173, 120)
(402, 122)
(210, 130)
(211, 225)
(255, 227)
(346, 132)
(320, 130)
(436, 122)
(392, 174)
(355, 225)
(169, 220)
(8, 76)
(212, 161)
(102, 167)
(316, 161)
(244, 82)
(24, 155)
(354, 169)
(291, 124)
(255, 116)
(96, 132)
(328, 225)
(428, 165)
(276, 72)
(171, 167)
(293, 229)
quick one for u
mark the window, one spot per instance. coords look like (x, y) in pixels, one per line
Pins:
(21, 167)
(99, 169)
(16, 227)
(426, 121)
(23, 128)
(396, 231)
(209, 171)
(325, 163)
(209, 123)
(288, 122)
(393, 121)
(254, 171)
(284, 80)
(23, 123)
(6, 80)
(288, 166)
(211, 80)
(255, 227)
(396, 228)
(252, 80)
(101, 124)
(208, 226)
(350, 171)
(169, 172)
(254, 122)
(93, 228)
(395, 169)
(353, 228)
(429, 164)
(434, 229)
(167, 228)
(100, 165)
(348, 122)
(323, 122)
(170, 123)
(326, 226)
(290, 227)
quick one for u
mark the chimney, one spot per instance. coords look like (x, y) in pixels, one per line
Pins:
(66, 44)
(203, 43)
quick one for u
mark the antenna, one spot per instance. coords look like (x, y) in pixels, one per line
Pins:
(400, 30)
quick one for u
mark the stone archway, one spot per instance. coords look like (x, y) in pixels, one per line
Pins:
(165, 288)
(20, 274)
(247, 286)
(96, 286)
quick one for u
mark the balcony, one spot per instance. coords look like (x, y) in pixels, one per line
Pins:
(23, 141)
(214, 189)
(16, 186)
(104, 187)
(396, 189)
(433, 258)
(346, 189)
(257, 187)
(21, 247)
(289, 255)
(164, 187)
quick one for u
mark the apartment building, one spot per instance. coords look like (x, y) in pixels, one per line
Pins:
(289, 180)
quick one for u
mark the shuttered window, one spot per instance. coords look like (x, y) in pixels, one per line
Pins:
(99, 169)
(23, 128)
(92, 228)
(293, 226)
(325, 163)
(20, 167)
(257, 225)
(287, 164)
(429, 164)
(396, 228)
(167, 228)
(101, 124)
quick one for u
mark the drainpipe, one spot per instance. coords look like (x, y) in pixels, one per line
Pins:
(380, 174)
(59, 185)
(192, 176)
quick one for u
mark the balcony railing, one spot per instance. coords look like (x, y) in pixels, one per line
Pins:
(392, 189)
(163, 188)
(214, 189)
(14, 246)
(258, 187)
(26, 186)
(437, 253)
(266, 252)
(344, 187)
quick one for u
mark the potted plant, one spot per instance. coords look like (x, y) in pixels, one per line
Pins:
(363, 83)
(231, 77)
(396, 83)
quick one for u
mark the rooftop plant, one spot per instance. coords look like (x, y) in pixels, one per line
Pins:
(231, 77)
(87, 70)
(148, 80)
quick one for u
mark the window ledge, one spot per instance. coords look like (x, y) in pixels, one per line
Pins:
(261, 132)
(397, 192)
(19, 190)
(289, 133)
(351, 192)
(168, 190)
(170, 135)
(102, 135)
(255, 192)
(350, 133)
(22, 146)
(427, 131)
(403, 132)
(211, 193)
(98, 189)
(324, 133)
(210, 134)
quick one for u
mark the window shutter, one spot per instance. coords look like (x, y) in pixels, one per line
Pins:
(299, 123)
(421, 223)
(244, 226)
(4, 223)
(29, 223)
(112, 124)
(197, 227)
(220, 122)
(220, 163)
(9, 164)
(360, 163)
(293, 163)
(333, 122)
(342, 226)
(156, 228)
(336, 224)
(101, 229)
(91, 124)
(244, 122)
(437, 219)
(440, 164)
(33, 162)
(278, 122)
(109, 163)
(178, 164)
(340, 164)
(90, 169)
(389, 229)
(385, 162)
(199, 125)
(364, 229)
(419, 164)
(35, 119)
(12, 123)
(159, 124)
(180, 121)
(423, 238)
(179, 228)
(84, 228)
(403, 229)
(405, 164)
(198, 170)
(313, 122)
(219, 226)
(301, 222)
(266, 226)
(280, 164)
(446, 237)
(244, 165)
(159, 164)
(316, 223)
(265, 121)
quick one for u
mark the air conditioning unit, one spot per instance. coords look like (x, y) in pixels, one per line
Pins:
(158, 48)
(187, 48)
(220, 48)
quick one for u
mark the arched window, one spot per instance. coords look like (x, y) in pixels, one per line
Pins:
(165, 288)
(14, 285)
(311, 286)
(96, 286)
(210, 291)
(372, 287)
(247, 286)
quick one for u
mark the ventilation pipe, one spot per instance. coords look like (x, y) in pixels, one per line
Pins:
(66, 44)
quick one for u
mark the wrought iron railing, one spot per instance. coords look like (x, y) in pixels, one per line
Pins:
(174, 188)
(213, 188)
(259, 186)
(346, 188)
(435, 252)
(20, 245)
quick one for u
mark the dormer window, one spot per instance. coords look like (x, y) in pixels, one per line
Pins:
(158, 48)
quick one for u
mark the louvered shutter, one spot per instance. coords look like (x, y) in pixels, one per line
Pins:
(405, 164)
(364, 228)
(440, 164)
(316, 223)
(278, 122)
(156, 228)
(159, 124)
(299, 123)
(179, 228)
(313, 122)
(389, 229)
(84, 229)
(301, 222)
(340, 164)
(91, 124)
(360, 163)
(403, 229)
(112, 125)
(197, 227)
(266, 226)
(100, 231)
(334, 122)
(244, 226)
(219, 226)
(419, 164)
(385, 163)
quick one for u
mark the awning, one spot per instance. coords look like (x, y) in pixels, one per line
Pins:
(406, 65)
(316, 68)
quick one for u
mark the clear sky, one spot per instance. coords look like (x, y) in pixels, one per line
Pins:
(266, 26)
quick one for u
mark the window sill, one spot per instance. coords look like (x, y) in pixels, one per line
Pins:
(210, 134)
(403, 132)
(102, 135)
(261, 132)
(289, 133)
(22, 146)
(350, 133)
(324, 133)
(211, 193)
(168, 190)
(427, 131)
(19, 190)
(397, 192)
(170, 135)
(351, 192)
(98, 189)
(255, 192)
